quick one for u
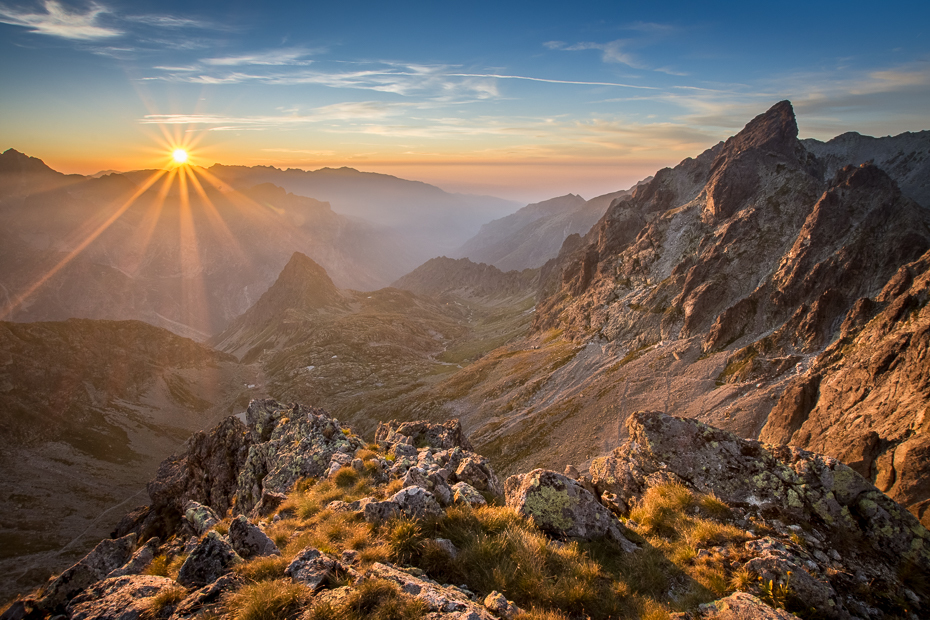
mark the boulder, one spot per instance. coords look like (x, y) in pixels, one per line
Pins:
(139, 560)
(498, 604)
(267, 504)
(464, 493)
(202, 601)
(563, 508)
(249, 541)
(775, 563)
(379, 512)
(201, 518)
(212, 558)
(118, 598)
(417, 503)
(106, 557)
(476, 471)
(313, 568)
(741, 606)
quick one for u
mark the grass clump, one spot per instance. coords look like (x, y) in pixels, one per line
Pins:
(278, 599)
(263, 568)
(163, 603)
(345, 477)
(165, 566)
(687, 528)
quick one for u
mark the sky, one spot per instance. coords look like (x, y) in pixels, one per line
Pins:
(522, 100)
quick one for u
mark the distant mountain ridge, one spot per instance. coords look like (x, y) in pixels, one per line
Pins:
(434, 220)
(187, 264)
(443, 276)
(534, 234)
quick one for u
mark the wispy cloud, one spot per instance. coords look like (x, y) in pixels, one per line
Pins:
(170, 21)
(440, 83)
(614, 51)
(57, 21)
(355, 111)
(291, 56)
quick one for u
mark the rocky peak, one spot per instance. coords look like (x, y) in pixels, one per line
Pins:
(767, 140)
(303, 284)
(775, 130)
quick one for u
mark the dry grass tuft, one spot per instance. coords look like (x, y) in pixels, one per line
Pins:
(163, 603)
(264, 568)
(278, 599)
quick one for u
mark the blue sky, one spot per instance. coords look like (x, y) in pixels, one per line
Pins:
(525, 100)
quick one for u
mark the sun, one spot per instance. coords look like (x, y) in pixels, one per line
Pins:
(179, 156)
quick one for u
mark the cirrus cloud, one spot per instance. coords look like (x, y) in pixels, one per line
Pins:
(58, 21)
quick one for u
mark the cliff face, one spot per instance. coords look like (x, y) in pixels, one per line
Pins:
(865, 399)
(291, 511)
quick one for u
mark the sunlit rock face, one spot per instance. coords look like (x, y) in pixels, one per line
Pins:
(729, 286)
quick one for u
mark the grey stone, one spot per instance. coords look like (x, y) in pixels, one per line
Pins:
(741, 606)
(313, 568)
(212, 558)
(498, 604)
(439, 436)
(562, 507)
(201, 518)
(378, 512)
(417, 503)
(439, 599)
(207, 597)
(139, 560)
(249, 541)
(464, 493)
(476, 471)
(268, 504)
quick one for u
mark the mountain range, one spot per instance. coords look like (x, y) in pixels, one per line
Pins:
(772, 287)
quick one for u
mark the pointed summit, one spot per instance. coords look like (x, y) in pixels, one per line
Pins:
(774, 130)
(302, 285)
(767, 140)
(302, 288)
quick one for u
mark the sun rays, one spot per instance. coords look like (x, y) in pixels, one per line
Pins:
(161, 231)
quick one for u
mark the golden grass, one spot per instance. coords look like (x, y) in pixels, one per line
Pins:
(278, 599)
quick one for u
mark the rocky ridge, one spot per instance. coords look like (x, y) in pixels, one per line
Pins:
(821, 539)
(465, 279)
(708, 292)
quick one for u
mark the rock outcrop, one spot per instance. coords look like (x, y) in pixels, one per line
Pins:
(562, 507)
(865, 400)
(814, 532)
(119, 598)
(817, 499)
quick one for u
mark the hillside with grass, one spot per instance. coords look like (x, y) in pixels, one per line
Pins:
(292, 515)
